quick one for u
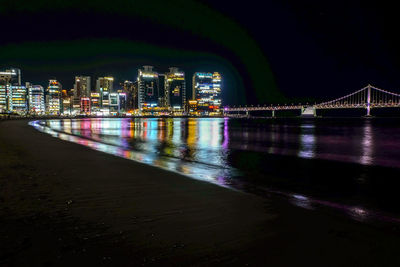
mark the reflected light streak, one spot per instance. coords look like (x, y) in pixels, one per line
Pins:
(307, 142)
(367, 145)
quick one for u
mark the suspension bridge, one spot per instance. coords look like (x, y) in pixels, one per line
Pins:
(366, 98)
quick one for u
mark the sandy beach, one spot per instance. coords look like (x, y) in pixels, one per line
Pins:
(62, 204)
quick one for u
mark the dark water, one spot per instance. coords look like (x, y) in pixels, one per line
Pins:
(348, 165)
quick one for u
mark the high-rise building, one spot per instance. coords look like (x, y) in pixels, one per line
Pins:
(104, 86)
(131, 90)
(4, 87)
(13, 74)
(114, 102)
(7, 78)
(207, 92)
(161, 89)
(217, 80)
(36, 99)
(17, 99)
(148, 93)
(85, 105)
(82, 89)
(122, 102)
(192, 107)
(53, 98)
(3, 97)
(67, 99)
(95, 102)
(175, 90)
(82, 86)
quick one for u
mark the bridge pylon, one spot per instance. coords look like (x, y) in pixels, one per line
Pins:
(309, 111)
(368, 100)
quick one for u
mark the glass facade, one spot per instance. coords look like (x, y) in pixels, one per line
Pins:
(95, 102)
(207, 92)
(149, 93)
(114, 102)
(36, 99)
(104, 86)
(85, 105)
(17, 100)
(122, 102)
(82, 87)
(3, 98)
(175, 90)
(53, 98)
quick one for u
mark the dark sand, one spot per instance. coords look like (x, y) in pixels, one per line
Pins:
(62, 204)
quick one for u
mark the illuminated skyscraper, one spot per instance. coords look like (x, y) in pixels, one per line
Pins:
(122, 102)
(36, 99)
(175, 90)
(3, 97)
(95, 102)
(67, 99)
(148, 93)
(217, 80)
(53, 98)
(17, 99)
(82, 89)
(114, 102)
(207, 92)
(5, 78)
(104, 86)
(85, 105)
(13, 74)
(8, 77)
(82, 86)
(131, 90)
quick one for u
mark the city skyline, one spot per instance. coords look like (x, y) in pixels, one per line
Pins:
(152, 93)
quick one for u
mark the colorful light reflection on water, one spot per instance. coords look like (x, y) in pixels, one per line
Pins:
(201, 148)
(154, 142)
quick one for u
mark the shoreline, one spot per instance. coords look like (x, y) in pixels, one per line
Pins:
(63, 203)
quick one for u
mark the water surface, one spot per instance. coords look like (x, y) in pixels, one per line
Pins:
(351, 165)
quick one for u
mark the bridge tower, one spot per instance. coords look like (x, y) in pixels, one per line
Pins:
(368, 100)
(309, 111)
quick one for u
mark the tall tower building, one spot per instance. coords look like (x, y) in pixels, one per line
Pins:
(131, 89)
(36, 99)
(217, 99)
(175, 90)
(9, 77)
(104, 86)
(207, 92)
(17, 99)
(53, 98)
(5, 78)
(14, 75)
(82, 86)
(148, 93)
(3, 97)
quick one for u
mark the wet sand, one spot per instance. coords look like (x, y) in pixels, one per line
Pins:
(63, 204)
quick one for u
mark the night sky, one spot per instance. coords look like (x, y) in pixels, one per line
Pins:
(270, 52)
